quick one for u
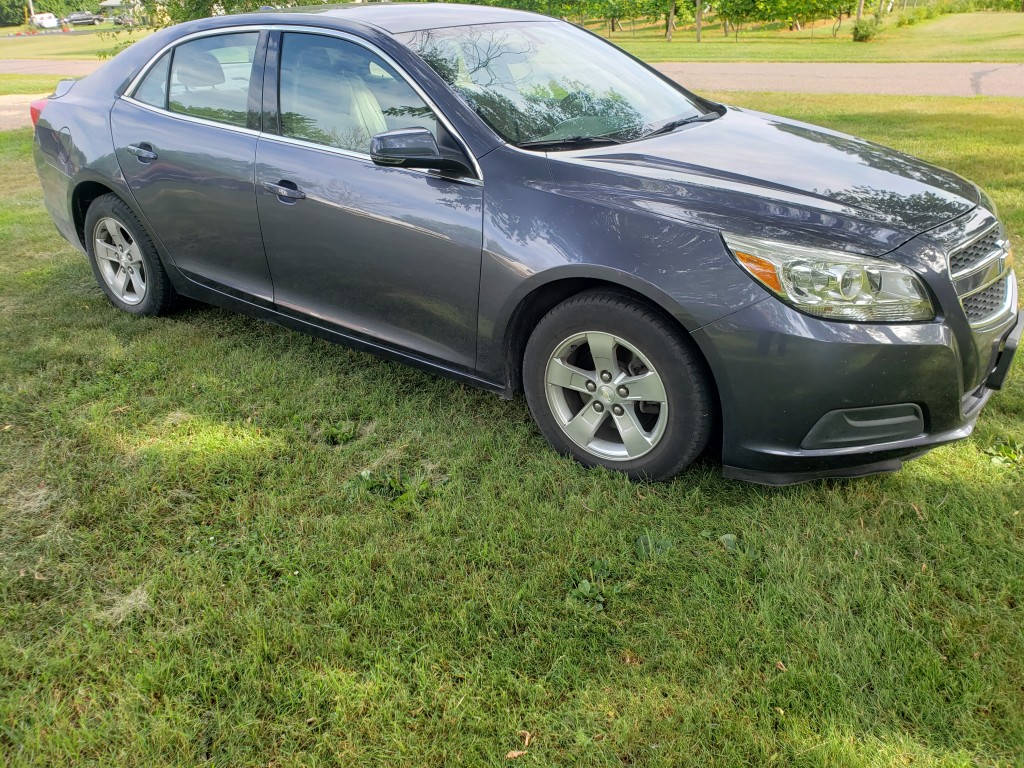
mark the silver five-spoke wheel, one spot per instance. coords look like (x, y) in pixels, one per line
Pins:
(613, 382)
(119, 261)
(124, 260)
(606, 396)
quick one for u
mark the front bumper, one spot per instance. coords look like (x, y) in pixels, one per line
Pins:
(782, 376)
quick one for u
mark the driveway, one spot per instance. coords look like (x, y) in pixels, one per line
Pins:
(14, 109)
(928, 79)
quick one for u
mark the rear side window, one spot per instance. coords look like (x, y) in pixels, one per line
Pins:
(153, 88)
(209, 78)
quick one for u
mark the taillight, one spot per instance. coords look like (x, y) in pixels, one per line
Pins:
(36, 109)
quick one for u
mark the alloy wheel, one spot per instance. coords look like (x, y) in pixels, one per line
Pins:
(120, 261)
(606, 396)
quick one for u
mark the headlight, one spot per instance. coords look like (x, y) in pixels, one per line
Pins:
(834, 285)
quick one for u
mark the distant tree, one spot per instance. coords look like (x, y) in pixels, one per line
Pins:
(12, 12)
(795, 12)
(614, 12)
(736, 12)
(177, 11)
(59, 8)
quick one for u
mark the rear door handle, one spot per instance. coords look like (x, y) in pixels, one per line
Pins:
(286, 191)
(144, 152)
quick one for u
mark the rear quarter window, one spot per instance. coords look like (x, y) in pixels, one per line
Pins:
(153, 88)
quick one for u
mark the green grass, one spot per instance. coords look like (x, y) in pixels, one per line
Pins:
(27, 84)
(975, 37)
(85, 44)
(223, 542)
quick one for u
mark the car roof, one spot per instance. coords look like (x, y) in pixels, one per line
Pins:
(397, 18)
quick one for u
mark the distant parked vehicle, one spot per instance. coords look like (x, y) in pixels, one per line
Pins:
(81, 18)
(125, 21)
(44, 21)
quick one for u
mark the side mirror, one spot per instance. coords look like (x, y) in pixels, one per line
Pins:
(412, 148)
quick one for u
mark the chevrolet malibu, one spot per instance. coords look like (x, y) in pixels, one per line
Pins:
(511, 201)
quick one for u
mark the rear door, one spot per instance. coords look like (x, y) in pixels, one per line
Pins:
(185, 139)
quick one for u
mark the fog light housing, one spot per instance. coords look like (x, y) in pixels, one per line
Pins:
(865, 426)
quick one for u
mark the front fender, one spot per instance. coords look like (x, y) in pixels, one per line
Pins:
(537, 232)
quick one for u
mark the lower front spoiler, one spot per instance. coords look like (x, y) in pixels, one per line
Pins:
(779, 479)
(803, 466)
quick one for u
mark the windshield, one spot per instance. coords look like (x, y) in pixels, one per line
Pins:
(550, 83)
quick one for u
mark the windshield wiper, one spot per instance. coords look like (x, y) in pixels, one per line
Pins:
(569, 142)
(671, 125)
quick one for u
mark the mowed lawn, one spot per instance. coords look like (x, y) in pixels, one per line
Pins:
(225, 543)
(27, 84)
(84, 43)
(995, 37)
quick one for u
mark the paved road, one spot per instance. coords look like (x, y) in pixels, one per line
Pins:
(891, 79)
(14, 109)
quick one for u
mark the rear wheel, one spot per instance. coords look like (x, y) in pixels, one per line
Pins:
(124, 260)
(611, 383)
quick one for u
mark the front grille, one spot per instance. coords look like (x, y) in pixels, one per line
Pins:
(986, 303)
(980, 272)
(965, 258)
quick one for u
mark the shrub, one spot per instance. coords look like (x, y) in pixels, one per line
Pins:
(865, 30)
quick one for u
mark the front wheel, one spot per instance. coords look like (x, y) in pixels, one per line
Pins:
(612, 383)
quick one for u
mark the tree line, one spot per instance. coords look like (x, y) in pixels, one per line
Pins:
(730, 14)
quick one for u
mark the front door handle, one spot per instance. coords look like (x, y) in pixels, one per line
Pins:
(144, 152)
(286, 191)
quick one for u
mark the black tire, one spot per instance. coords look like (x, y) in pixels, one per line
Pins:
(651, 345)
(157, 297)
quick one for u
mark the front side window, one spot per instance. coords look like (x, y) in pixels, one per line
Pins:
(549, 81)
(336, 93)
(209, 78)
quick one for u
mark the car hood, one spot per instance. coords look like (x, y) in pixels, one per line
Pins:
(767, 176)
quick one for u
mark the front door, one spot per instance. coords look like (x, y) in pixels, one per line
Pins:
(387, 253)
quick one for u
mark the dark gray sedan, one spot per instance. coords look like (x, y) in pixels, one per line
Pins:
(509, 200)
